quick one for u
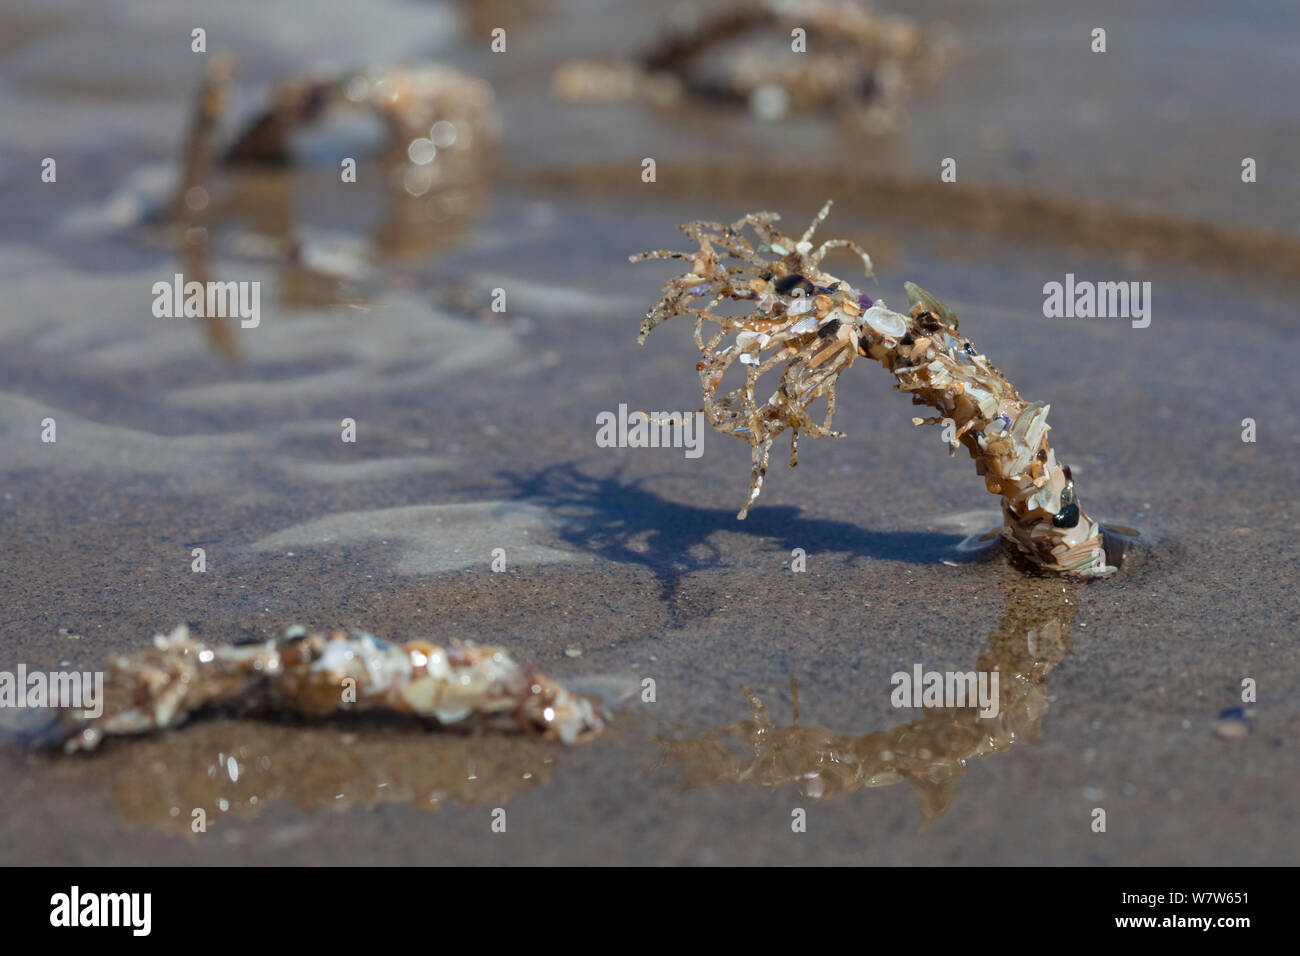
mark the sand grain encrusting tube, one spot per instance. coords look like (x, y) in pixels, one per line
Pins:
(815, 326)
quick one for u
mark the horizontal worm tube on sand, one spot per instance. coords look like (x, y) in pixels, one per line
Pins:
(315, 675)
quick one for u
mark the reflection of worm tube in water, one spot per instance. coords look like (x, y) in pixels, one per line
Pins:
(1032, 637)
(238, 769)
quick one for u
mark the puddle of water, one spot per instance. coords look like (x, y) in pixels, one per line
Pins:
(1033, 636)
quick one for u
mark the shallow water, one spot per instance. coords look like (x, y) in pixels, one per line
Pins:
(476, 431)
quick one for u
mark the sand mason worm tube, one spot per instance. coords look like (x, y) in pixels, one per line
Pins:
(853, 61)
(814, 326)
(315, 675)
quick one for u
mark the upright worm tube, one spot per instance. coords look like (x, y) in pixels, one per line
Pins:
(815, 326)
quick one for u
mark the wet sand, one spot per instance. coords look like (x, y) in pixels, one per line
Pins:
(478, 432)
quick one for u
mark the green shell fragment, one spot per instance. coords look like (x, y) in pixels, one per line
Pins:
(918, 296)
(1080, 565)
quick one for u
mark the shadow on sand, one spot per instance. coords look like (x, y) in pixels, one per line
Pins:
(619, 520)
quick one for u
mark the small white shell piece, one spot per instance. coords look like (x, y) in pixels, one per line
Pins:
(988, 405)
(885, 322)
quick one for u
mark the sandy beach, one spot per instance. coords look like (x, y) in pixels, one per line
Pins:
(476, 431)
